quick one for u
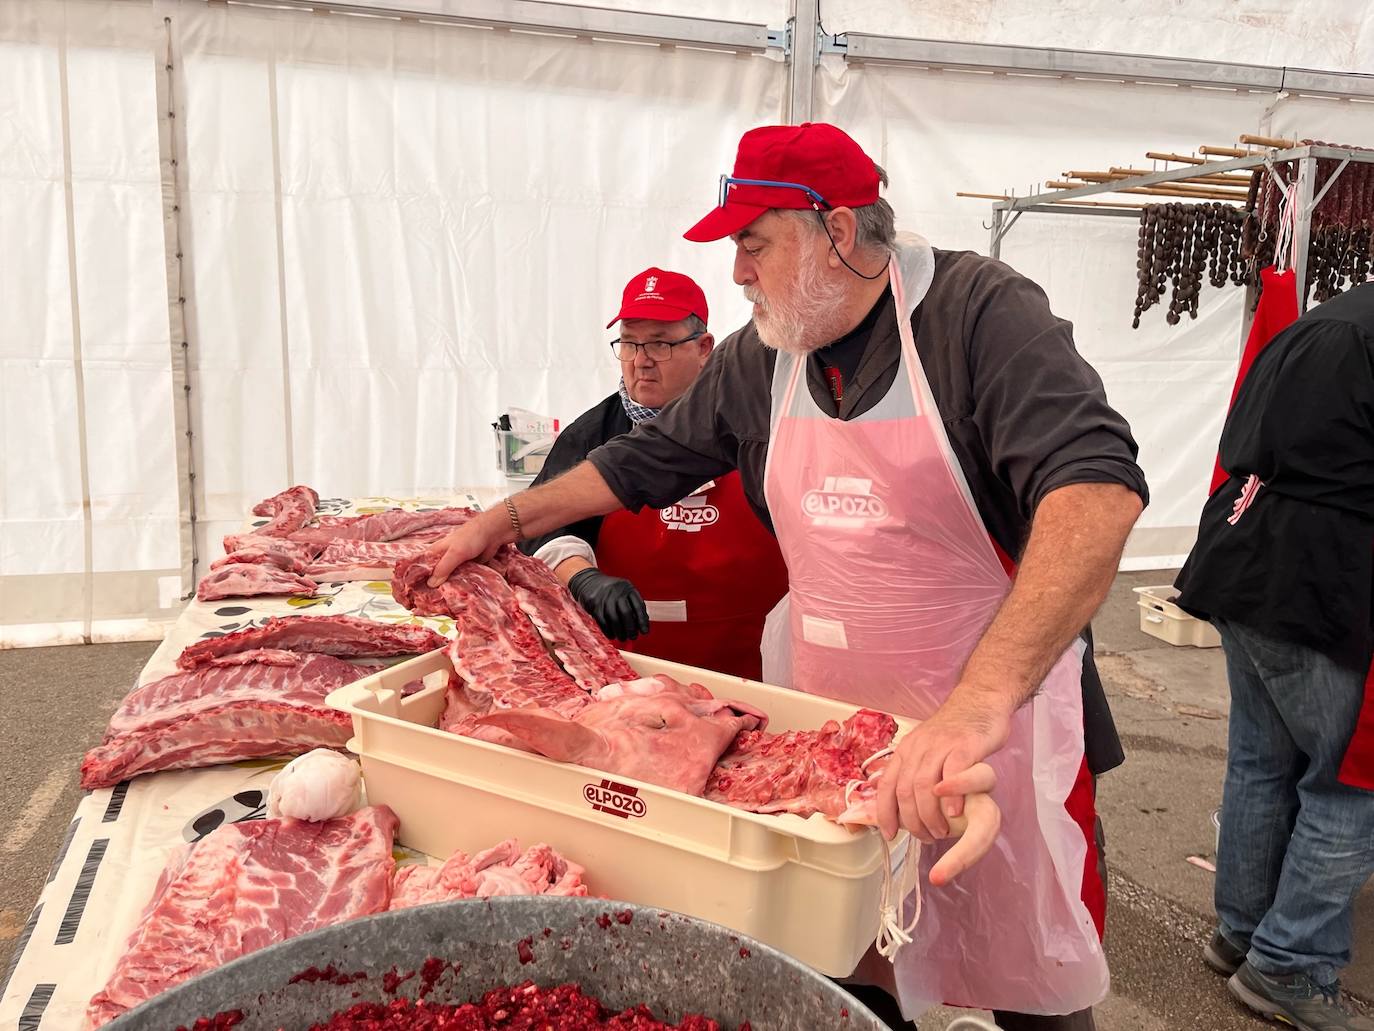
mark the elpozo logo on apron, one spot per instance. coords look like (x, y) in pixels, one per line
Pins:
(844, 501)
(692, 512)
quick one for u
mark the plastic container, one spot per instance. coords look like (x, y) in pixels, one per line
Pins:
(806, 886)
(521, 457)
(1159, 617)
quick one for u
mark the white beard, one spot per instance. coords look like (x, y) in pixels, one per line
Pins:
(807, 321)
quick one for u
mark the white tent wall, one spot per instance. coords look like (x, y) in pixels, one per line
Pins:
(88, 473)
(1336, 35)
(940, 132)
(460, 209)
(393, 230)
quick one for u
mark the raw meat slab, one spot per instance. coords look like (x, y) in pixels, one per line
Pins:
(503, 870)
(671, 737)
(249, 579)
(290, 510)
(245, 886)
(576, 640)
(499, 659)
(382, 526)
(802, 772)
(293, 556)
(242, 706)
(370, 560)
(321, 635)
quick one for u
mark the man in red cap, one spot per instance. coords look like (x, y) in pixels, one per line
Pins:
(951, 493)
(693, 582)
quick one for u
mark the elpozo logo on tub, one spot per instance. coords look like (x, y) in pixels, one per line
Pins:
(615, 799)
(844, 501)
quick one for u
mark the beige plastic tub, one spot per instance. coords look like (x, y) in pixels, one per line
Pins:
(805, 886)
(1160, 617)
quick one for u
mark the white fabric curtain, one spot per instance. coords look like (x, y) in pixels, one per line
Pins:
(88, 472)
(460, 209)
(939, 133)
(391, 232)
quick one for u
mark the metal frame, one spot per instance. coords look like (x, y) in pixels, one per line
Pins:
(1089, 64)
(557, 18)
(1005, 213)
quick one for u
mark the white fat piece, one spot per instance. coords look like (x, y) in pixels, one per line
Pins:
(318, 786)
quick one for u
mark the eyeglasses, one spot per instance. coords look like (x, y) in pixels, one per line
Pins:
(654, 350)
(726, 181)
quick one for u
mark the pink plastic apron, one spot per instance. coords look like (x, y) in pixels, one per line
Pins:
(893, 580)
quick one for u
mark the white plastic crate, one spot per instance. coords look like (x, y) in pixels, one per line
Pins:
(806, 886)
(1159, 617)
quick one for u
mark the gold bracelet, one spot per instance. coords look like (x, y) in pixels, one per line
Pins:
(514, 519)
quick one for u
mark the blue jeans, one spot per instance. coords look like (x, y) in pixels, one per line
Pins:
(1296, 845)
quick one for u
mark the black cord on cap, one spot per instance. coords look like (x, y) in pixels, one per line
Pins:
(821, 215)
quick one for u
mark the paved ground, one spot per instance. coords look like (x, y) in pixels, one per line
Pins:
(1170, 704)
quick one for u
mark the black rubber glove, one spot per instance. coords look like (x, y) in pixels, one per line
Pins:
(612, 602)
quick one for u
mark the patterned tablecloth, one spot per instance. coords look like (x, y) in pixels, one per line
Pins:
(119, 838)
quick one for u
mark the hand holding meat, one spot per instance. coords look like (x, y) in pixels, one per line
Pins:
(613, 602)
(935, 761)
(476, 539)
(977, 827)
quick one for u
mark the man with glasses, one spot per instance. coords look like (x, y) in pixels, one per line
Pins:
(691, 582)
(951, 493)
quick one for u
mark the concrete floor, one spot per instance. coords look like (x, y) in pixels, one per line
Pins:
(1170, 705)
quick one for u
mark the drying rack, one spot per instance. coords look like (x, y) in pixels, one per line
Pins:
(1198, 178)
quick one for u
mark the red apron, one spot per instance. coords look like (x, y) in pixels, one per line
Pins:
(709, 573)
(1277, 310)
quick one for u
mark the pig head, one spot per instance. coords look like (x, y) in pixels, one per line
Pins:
(666, 738)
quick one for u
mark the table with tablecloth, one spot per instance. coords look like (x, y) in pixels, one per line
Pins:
(119, 838)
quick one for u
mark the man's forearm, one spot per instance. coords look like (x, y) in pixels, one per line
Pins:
(1071, 558)
(578, 494)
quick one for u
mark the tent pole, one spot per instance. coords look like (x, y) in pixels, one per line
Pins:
(78, 360)
(171, 140)
(1302, 231)
(802, 52)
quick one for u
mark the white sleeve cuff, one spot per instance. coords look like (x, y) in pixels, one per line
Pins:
(560, 549)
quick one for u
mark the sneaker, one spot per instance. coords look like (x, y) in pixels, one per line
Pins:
(1222, 956)
(1295, 999)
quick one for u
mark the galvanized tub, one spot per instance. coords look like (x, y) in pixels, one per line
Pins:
(622, 954)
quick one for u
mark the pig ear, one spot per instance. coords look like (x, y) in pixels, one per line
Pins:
(548, 733)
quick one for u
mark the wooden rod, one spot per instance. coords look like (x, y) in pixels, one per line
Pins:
(1182, 192)
(1217, 178)
(1184, 159)
(1241, 181)
(1075, 203)
(1104, 177)
(1277, 142)
(1224, 152)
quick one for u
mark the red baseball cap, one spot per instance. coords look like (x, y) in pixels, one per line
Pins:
(834, 170)
(658, 294)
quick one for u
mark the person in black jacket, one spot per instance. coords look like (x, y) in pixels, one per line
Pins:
(1283, 568)
(691, 582)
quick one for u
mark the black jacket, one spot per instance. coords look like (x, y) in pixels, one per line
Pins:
(1025, 414)
(1293, 555)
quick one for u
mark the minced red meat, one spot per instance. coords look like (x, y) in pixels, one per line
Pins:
(525, 1007)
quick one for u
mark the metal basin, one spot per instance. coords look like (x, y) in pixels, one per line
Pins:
(623, 954)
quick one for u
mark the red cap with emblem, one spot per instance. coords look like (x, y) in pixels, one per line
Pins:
(809, 165)
(661, 295)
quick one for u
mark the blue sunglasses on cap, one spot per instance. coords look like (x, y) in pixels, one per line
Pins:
(726, 181)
